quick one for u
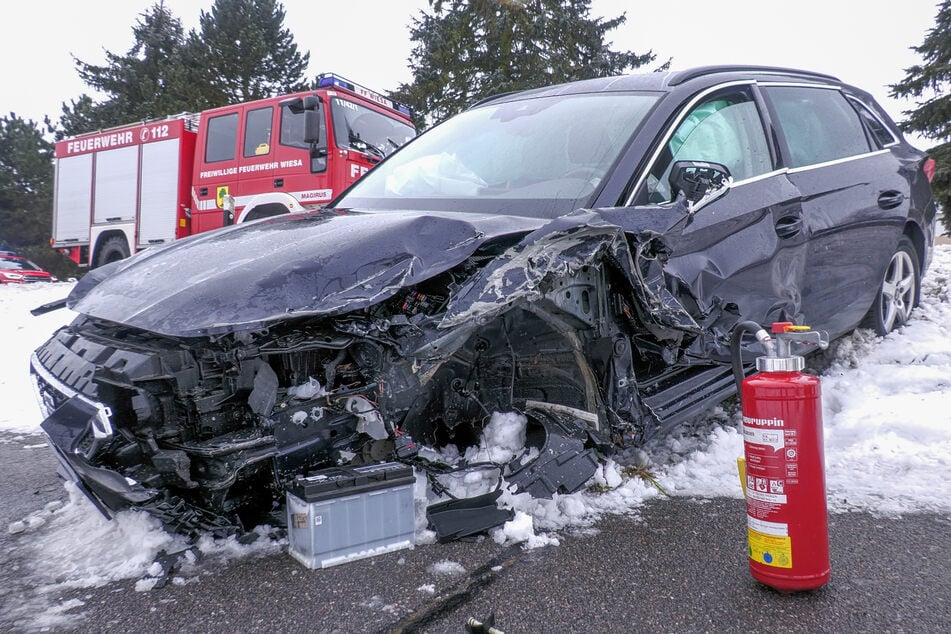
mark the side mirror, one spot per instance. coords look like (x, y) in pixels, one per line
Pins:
(298, 105)
(311, 126)
(309, 105)
(699, 182)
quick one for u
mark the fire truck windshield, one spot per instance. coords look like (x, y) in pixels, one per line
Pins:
(365, 130)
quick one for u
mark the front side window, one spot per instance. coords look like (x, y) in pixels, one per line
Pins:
(293, 128)
(222, 138)
(724, 129)
(257, 132)
(818, 123)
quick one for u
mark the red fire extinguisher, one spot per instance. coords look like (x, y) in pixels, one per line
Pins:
(787, 522)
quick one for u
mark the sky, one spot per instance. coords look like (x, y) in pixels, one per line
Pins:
(886, 428)
(861, 44)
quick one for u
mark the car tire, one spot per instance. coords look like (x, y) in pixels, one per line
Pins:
(898, 292)
(112, 250)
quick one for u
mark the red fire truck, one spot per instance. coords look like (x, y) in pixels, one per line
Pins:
(124, 189)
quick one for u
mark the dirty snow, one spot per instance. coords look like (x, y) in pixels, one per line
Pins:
(887, 427)
(447, 568)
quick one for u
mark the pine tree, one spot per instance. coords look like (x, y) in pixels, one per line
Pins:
(83, 115)
(930, 82)
(147, 82)
(243, 52)
(469, 49)
(26, 186)
(26, 181)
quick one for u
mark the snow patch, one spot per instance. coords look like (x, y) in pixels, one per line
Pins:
(447, 568)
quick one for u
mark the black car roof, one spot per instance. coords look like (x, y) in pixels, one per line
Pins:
(680, 77)
(667, 81)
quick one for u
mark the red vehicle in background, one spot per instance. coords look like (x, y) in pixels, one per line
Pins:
(15, 269)
(121, 190)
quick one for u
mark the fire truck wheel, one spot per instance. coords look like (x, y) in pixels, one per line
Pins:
(112, 250)
(899, 291)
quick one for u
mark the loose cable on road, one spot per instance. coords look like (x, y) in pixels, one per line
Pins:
(459, 594)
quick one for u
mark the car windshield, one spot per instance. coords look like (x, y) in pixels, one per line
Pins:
(365, 130)
(17, 264)
(543, 156)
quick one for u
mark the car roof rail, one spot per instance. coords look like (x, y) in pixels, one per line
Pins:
(492, 97)
(680, 77)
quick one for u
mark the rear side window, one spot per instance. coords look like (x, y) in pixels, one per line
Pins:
(222, 138)
(818, 123)
(876, 128)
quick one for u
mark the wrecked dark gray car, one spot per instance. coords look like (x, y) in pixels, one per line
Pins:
(580, 253)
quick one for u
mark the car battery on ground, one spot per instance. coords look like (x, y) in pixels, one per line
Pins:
(342, 514)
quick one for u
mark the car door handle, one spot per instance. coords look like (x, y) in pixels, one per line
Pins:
(788, 226)
(890, 199)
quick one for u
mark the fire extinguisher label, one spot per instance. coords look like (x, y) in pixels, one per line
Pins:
(770, 437)
(777, 529)
(770, 550)
(758, 493)
(767, 453)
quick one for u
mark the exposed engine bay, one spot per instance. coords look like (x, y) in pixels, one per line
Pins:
(216, 426)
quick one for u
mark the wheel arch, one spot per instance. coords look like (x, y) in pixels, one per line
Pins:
(526, 353)
(108, 241)
(270, 204)
(914, 233)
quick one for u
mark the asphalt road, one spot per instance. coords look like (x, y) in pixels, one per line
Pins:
(677, 566)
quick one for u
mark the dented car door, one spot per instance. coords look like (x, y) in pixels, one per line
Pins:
(742, 254)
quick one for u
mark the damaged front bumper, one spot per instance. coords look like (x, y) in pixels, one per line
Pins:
(76, 428)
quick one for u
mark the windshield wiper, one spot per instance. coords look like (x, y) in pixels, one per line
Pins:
(356, 142)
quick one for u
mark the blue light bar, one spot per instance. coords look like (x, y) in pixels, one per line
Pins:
(328, 80)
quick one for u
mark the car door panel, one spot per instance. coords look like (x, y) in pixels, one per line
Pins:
(843, 205)
(854, 197)
(730, 257)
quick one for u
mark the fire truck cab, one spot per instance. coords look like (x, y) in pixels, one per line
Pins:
(121, 190)
(285, 154)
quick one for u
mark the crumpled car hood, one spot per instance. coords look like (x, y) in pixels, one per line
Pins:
(319, 264)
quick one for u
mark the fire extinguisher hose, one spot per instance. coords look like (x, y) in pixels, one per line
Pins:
(736, 339)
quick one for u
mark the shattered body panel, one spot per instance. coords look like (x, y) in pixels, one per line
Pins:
(528, 316)
(200, 378)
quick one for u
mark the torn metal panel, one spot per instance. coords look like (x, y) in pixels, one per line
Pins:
(558, 460)
(561, 248)
(466, 517)
(547, 316)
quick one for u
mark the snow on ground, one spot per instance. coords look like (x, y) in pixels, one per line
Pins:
(22, 333)
(887, 426)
